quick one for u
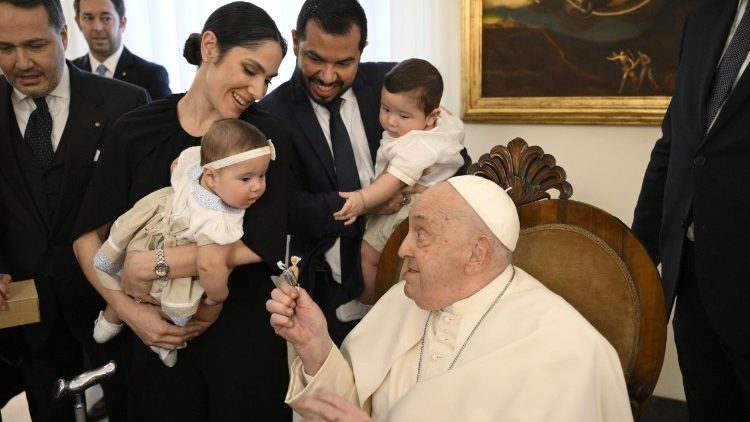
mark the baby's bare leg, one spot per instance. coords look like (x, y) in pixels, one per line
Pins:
(370, 259)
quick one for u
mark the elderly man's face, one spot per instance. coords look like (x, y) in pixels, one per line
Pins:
(437, 249)
(32, 52)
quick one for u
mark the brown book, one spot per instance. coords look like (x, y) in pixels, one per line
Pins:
(23, 304)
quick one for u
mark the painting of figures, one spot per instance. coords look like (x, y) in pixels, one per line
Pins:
(601, 57)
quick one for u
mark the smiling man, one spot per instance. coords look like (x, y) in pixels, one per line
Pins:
(328, 42)
(102, 23)
(53, 120)
(466, 335)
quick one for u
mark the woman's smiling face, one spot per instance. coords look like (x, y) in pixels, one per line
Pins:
(238, 78)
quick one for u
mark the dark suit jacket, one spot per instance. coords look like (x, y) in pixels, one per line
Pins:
(132, 69)
(314, 197)
(33, 246)
(703, 177)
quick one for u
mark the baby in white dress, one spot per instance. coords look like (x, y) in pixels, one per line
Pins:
(211, 186)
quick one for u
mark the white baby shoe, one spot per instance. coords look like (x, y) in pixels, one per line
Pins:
(169, 357)
(104, 330)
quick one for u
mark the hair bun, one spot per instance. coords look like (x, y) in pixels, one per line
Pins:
(192, 50)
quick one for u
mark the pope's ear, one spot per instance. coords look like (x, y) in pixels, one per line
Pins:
(480, 255)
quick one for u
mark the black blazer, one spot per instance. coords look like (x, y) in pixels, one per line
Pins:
(33, 246)
(699, 177)
(132, 69)
(314, 193)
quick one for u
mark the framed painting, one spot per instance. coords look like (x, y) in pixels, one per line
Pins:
(570, 61)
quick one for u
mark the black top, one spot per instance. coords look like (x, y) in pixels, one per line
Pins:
(238, 366)
(135, 161)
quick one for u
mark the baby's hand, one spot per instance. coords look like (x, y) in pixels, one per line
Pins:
(353, 207)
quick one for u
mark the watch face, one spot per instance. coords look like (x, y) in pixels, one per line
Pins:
(161, 271)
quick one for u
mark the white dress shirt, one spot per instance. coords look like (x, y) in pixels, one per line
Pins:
(58, 102)
(110, 63)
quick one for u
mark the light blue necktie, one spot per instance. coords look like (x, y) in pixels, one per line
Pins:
(101, 70)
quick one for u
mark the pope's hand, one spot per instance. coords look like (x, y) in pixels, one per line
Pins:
(297, 318)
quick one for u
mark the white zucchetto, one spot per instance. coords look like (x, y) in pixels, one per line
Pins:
(493, 206)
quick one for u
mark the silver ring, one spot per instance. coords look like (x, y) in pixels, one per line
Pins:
(404, 199)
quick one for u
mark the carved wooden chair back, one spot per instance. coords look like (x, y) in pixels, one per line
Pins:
(580, 252)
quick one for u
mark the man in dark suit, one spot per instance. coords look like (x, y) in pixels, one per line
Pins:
(328, 42)
(102, 23)
(692, 209)
(53, 119)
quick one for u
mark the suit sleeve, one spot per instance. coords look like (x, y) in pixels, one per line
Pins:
(159, 84)
(310, 212)
(647, 217)
(140, 99)
(106, 195)
(648, 211)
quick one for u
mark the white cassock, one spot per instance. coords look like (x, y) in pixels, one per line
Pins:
(533, 358)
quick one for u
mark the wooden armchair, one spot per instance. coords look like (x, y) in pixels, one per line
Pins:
(601, 268)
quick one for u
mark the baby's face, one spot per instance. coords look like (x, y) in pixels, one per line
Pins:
(400, 114)
(241, 184)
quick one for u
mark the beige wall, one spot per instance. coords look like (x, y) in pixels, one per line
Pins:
(605, 164)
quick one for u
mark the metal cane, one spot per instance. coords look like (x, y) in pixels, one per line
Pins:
(78, 385)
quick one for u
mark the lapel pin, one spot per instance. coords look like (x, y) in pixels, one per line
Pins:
(97, 124)
(124, 73)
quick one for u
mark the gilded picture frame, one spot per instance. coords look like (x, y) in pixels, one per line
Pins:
(614, 81)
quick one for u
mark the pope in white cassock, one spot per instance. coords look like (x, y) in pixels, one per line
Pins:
(465, 337)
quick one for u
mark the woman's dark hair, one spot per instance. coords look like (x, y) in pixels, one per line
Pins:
(335, 17)
(420, 77)
(236, 24)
